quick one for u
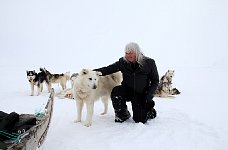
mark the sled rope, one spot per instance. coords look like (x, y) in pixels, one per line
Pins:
(39, 112)
(11, 136)
(14, 137)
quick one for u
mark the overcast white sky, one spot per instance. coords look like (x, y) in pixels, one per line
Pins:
(173, 32)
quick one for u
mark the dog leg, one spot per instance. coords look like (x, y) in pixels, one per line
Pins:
(32, 89)
(79, 105)
(49, 87)
(41, 87)
(62, 82)
(63, 86)
(38, 90)
(163, 94)
(89, 115)
(104, 99)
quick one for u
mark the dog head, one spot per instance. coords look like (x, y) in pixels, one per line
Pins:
(169, 73)
(31, 75)
(90, 78)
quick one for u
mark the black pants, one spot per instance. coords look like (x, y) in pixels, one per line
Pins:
(121, 94)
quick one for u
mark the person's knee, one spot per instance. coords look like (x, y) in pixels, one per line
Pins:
(114, 92)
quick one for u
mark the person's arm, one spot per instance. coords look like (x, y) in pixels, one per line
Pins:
(154, 80)
(109, 69)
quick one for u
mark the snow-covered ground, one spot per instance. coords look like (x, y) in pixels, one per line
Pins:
(189, 36)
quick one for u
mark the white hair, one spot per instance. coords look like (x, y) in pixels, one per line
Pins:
(134, 47)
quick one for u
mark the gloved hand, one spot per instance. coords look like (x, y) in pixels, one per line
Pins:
(149, 100)
(150, 103)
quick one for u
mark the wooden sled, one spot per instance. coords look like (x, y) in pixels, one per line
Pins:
(35, 136)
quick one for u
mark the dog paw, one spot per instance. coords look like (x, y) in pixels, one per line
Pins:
(87, 124)
(77, 120)
(103, 113)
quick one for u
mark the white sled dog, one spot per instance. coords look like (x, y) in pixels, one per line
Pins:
(88, 87)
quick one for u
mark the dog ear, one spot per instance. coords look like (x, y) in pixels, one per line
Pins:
(34, 71)
(99, 73)
(84, 71)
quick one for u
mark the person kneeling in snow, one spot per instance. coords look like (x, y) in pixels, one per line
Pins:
(140, 80)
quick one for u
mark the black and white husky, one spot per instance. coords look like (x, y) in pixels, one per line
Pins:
(167, 77)
(37, 79)
(165, 88)
(57, 78)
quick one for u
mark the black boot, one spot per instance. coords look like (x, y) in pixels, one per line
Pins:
(151, 114)
(120, 107)
(121, 116)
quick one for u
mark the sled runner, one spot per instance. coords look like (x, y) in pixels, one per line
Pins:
(34, 136)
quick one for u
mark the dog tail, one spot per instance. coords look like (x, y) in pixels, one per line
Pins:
(117, 77)
(43, 70)
(74, 75)
(47, 74)
(175, 91)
